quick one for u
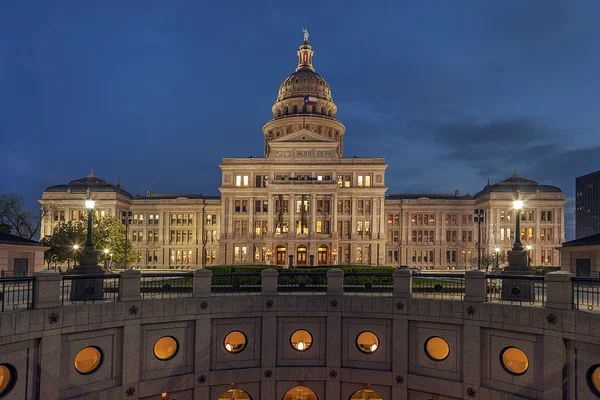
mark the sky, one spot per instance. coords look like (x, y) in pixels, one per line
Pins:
(155, 93)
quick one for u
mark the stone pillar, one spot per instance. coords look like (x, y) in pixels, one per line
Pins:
(46, 290)
(402, 283)
(202, 283)
(475, 286)
(292, 215)
(49, 365)
(313, 219)
(130, 285)
(559, 290)
(269, 279)
(251, 211)
(334, 210)
(335, 282)
(270, 225)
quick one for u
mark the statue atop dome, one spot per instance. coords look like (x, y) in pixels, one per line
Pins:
(306, 35)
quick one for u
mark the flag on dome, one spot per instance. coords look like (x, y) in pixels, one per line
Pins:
(310, 101)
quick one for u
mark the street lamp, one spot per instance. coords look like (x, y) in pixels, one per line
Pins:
(529, 247)
(479, 219)
(75, 248)
(518, 246)
(497, 250)
(106, 251)
(89, 204)
(126, 220)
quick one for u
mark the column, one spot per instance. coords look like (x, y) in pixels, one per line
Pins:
(229, 216)
(334, 211)
(292, 215)
(313, 218)
(270, 225)
(251, 212)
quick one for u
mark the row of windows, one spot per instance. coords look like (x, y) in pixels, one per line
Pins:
(175, 218)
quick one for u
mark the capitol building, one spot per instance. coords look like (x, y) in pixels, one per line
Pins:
(303, 203)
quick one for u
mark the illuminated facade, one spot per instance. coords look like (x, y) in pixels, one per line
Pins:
(304, 203)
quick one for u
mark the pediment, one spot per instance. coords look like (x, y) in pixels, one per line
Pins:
(303, 135)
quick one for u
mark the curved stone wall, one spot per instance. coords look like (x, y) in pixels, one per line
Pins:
(41, 345)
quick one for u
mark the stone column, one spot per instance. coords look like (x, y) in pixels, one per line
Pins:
(292, 215)
(475, 286)
(129, 285)
(229, 217)
(202, 283)
(335, 282)
(46, 290)
(269, 279)
(402, 283)
(251, 210)
(49, 365)
(334, 210)
(559, 290)
(313, 219)
(270, 225)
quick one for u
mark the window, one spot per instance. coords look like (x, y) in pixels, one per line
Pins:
(451, 219)
(359, 254)
(302, 206)
(211, 219)
(451, 256)
(235, 342)
(502, 234)
(307, 153)
(451, 236)
(514, 361)
(241, 181)
(530, 234)
(319, 154)
(367, 342)
(88, 360)
(153, 219)
(467, 236)
(327, 154)
(240, 253)
(286, 153)
(502, 216)
(301, 340)
(437, 348)
(8, 379)
(262, 180)
(531, 215)
(210, 256)
(166, 348)
(299, 154)
(593, 379)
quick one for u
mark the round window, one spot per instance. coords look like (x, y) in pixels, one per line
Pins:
(235, 394)
(235, 342)
(365, 394)
(514, 361)
(593, 379)
(8, 378)
(300, 392)
(437, 348)
(301, 340)
(166, 348)
(367, 342)
(88, 360)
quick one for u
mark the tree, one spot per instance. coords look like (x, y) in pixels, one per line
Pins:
(106, 234)
(19, 221)
(489, 260)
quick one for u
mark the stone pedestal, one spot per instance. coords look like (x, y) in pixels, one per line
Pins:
(335, 282)
(402, 282)
(87, 289)
(517, 289)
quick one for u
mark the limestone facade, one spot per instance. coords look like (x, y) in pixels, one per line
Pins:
(304, 203)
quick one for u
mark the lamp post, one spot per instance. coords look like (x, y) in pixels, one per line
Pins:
(106, 252)
(497, 250)
(479, 219)
(126, 220)
(529, 247)
(89, 204)
(75, 248)
(518, 246)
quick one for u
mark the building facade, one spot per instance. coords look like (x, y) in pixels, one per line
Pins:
(587, 208)
(303, 203)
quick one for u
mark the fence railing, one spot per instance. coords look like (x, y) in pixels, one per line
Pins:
(16, 293)
(516, 289)
(586, 293)
(166, 285)
(84, 289)
(439, 286)
(302, 282)
(236, 283)
(368, 283)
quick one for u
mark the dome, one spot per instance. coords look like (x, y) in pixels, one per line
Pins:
(92, 182)
(304, 82)
(516, 183)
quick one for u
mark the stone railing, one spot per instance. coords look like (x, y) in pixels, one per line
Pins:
(557, 290)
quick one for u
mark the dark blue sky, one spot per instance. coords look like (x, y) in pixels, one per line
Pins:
(157, 92)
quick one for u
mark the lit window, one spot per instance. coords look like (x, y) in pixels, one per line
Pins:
(88, 360)
(299, 154)
(437, 348)
(365, 394)
(166, 348)
(8, 378)
(237, 394)
(307, 153)
(514, 361)
(235, 342)
(301, 340)
(286, 154)
(367, 342)
(300, 392)
(593, 379)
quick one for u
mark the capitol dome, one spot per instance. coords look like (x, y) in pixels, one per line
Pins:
(304, 82)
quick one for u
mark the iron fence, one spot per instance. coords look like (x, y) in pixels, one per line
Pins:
(586, 293)
(439, 286)
(83, 289)
(368, 283)
(516, 289)
(236, 283)
(166, 285)
(16, 293)
(302, 282)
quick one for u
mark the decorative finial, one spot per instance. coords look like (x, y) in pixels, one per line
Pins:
(306, 35)
(515, 174)
(488, 180)
(91, 175)
(119, 182)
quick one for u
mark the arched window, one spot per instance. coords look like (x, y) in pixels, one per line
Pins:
(295, 109)
(300, 392)
(323, 110)
(237, 394)
(314, 109)
(365, 394)
(287, 111)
